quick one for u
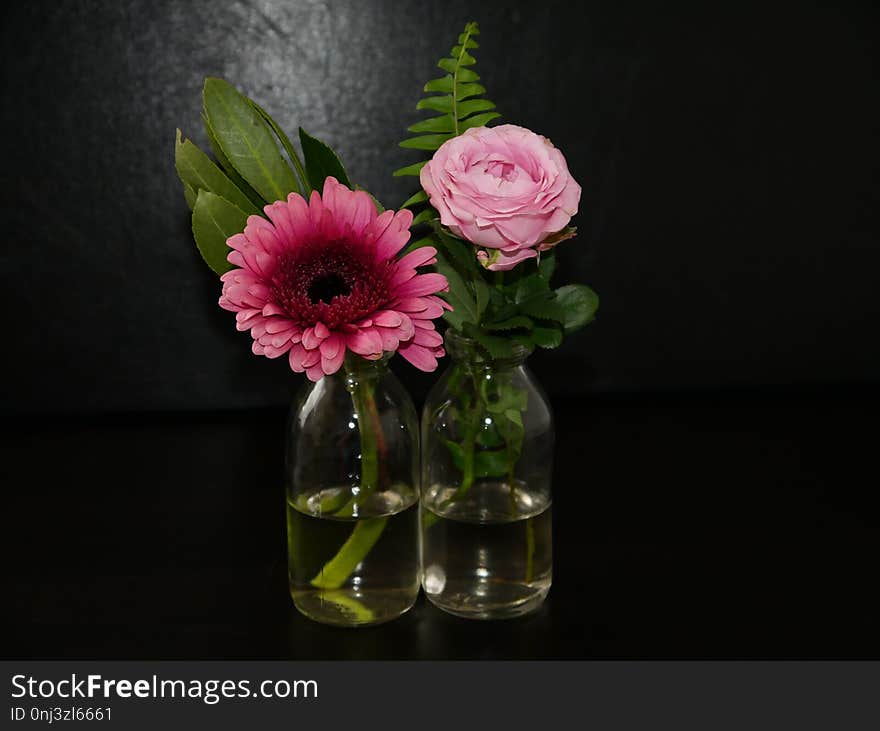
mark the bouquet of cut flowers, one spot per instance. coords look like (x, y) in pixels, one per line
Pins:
(318, 272)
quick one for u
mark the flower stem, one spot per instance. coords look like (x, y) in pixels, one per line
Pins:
(530, 550)
(361, 541)
(366, 531)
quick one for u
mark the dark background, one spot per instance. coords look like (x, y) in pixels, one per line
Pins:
(728, 161)
(715, 475)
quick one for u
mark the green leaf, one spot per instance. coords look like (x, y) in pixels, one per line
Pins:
(413, 200)
(464, 305)
(255, 198)
(491, 463)
(190, 194)
(436, 103)
(464, 91)
(321, 161)
(544, 308)
(487, 463)
(443, 85)
(410, 169)
(478, 120)
(546, 265)
(464, 58)
(213, 221)
(516, 322)
(304, 186)
(531, 286)
(501, 396)
(546, 337)
(426, 216)
(461, 253)
(465, 109)
(467, 75)
(435, 124)
(419, 244)
(197, 170)
(495, 346)
(247, 141)
(579, 303)
(455, 97)
(425, 142)
(481, 290)
(446, 84)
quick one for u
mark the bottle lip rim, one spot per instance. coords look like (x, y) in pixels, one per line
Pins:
(456, 342)
(355, 364)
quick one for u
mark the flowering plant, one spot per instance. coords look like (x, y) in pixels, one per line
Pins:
(310, 279)
(312, 267)
(496, 201)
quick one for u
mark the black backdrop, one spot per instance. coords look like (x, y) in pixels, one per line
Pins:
(728, 161)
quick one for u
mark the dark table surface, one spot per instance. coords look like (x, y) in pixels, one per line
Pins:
(738, 525)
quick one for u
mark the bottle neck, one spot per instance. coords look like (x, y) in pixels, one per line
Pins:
(357, 369)
(467, 353)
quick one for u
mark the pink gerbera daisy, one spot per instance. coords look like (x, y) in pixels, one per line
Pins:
(323, 277)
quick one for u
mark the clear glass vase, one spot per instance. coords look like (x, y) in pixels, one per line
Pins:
(352, 496)
(487, 462)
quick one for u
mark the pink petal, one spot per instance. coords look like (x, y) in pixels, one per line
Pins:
(310, 338)
(423, 284)
(395, 237)
(364, 342)
(311, 357)
(417, 258)
(297, 353)
(332, 345)
(387, 318)
(332, 363)
(315, 373)
(419, 356)
(429, 338)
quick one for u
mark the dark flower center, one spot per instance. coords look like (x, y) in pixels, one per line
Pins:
(326, 286)
(334, 282)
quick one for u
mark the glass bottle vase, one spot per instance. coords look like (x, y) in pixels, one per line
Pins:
(487, 461)
(352, 496)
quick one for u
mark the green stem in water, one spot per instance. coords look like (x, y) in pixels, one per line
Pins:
(530, 550)
(367, 531)
(361, 541)
(349, 605)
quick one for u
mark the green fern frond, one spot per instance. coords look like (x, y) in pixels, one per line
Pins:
(456, 97)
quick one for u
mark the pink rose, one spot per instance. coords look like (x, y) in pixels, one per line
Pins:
(504, 188)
